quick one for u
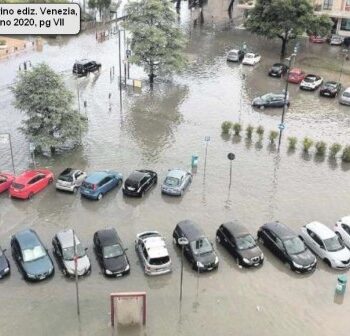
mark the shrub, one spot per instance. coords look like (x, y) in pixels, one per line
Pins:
(249, 131)
(334, 150)
(237, 128)
(346, 154)
(260, 131)
(292, 142)
(226, 126)
(273, 136)
(307, 144)
(321, 148)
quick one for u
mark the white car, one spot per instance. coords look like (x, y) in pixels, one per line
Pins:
(342, 229)
(70, 180)
(311, 82)
(336, 40)
(251, 59)
(326, 244)
(151, 249)
(235, 55)
(344, 98)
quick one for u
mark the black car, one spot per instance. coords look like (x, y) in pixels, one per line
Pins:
(139, 182)
(330, 89)
(4, 264)
(287, 246)
(240, 243)
(31, 256)
(83, 67)
(271, 100)
(111, 253)
(199, 250)
(278, 70)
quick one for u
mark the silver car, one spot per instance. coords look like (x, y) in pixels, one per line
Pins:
(151, 249)
(70, 180)
(344, 98)
(63, 248)
(176, 182)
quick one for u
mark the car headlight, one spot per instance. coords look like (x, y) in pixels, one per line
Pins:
(262, 256)
(247, 261)
(296, 265)
(127, 267)
(31, 276)
(108, 272)
(199, 264)
(6, 269)
(51, 270)
(216, 260)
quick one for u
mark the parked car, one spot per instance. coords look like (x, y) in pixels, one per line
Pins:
(97, 184)
(30, 182)
(287, 246)
(5, 181)
(139, 182)
(344, 98)
(251, 59)
(336, 40)
(84, 66)
(65, 253)
(317, 39)
(31, 256)
(278, 70)
(176, 182)
(4, 264)
(296, 75)
(235, 55)
(70, 180)
(330, 89)
(111, 253)
(240, 243)
(271, 100)
(311, 82)
(342, 229)
(199, 251)
(153, 254)
(326, 244)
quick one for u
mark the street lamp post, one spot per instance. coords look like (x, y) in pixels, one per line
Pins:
(76, 272)
(182, 242)
(3, 139)
(345, 54)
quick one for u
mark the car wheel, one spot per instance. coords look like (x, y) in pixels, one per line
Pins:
(99, 197)
(261, 241)
(30, 195)
(175, 241)
(142, 194)
(64, 271)
(75, 190)
(50, 180)
(119, 182)
(181, 193)
(218, 239)
(339, 236)
(328, 263)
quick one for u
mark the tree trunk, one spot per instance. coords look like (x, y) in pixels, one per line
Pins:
(178, 4)
(230, 8)
(53, 150)
(284, 46)
(151, 75)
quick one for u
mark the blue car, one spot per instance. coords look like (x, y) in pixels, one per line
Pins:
(99, 183)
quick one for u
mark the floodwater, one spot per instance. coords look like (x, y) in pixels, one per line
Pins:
(160, 130)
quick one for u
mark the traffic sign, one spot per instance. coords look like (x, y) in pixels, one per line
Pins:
(128, 52)
(207, 138)
(231, 156)
(281, 126)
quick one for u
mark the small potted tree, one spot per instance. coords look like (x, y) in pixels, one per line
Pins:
(260, 131)
(321, 148)
(249, 131)
(226, 126)
(3, 44)
(273, 136)
(307, 144)
(334, 150)
(237, 128)
(346, 154)
(292, 143)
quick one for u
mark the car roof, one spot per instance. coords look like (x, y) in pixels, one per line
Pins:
(311, 76)
(27, 238)
(347, 89)
(155, 246)
(177, 173)
(108, 237)
(280, 230)
(66, 238)
(137, 175)
(323, 231)
(191, 230)
(296, 70)
(27, 175)
(96, 176)
(346, 220)
(235, 228)
(330, 83)
(68, 172)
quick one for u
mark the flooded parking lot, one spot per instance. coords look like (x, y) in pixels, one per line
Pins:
(160, 130)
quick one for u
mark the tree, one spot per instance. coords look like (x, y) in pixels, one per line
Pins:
(100, 5)
(157, 43)
(286, 19)
(51, 121)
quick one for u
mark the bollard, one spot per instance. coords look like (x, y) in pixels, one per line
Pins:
(194, 161)
(341, 284)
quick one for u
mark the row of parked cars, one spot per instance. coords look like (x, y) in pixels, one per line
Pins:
(95, 184)
(297, 251)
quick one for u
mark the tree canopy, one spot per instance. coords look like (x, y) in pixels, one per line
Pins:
(50, 122)
(286, 19)
(157, 44)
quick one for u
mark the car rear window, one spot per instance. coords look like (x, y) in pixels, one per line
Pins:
(17, 186)
(66, 178)
(159, 261)
(88, 185)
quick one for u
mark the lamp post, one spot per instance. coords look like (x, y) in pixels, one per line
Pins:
(345, 54)
(231, 157)
(76, 272)
(4, 137)
(182, 242)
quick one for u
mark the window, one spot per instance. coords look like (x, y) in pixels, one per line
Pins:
(315, 237)
(144, 251)
(347, 5)
(345, 23)
(279, 243)
(327, 4)
(346, 228)
(144, 180)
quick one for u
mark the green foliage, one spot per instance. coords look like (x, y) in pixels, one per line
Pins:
(237, 127)
(346, 154)
(285, 19)
(292, 142)
(273, 136)
(260, 131)
(334, 150)
(226, 126)
(249, 131)
(100, 5)
(307, 144)
(50, 120)
(157, 43)
(321, 148)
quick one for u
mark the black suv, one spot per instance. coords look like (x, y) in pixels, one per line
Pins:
(199, 250)
(287, 246)
(278, 70)
(240, 243)
(139, 182)
(83, 67)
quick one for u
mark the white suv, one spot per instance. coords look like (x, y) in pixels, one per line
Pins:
(326, 244)
(151, 249)
(342, 229)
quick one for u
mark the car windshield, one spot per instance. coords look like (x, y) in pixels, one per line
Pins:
(172, 181)
(159, 261)
(88, 185)
(330, 85)
(249, 56)
(309, 79)
(245, 242)
(333, 244)
(33, 253)
(276, 67)
(17, 186)
(267, 96)
(66, 178)
(112, 251)
(346, 94)
(233, 53)
(294, 245)
(201, 246)
(2, 179)
(68, 252)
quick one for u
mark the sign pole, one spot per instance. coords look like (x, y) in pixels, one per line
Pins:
(13, 163)
(76, 272)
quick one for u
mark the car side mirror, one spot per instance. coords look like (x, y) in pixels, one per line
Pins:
(86, 248)
(125, 249)
(4, 250)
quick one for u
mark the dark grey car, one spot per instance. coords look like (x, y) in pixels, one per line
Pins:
(270, 100)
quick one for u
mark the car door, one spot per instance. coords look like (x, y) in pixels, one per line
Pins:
(269, 239)
(79, 178)
(106, 184)
(316, 244)
(189, 254)
(98, 249)
(143, 253)
(58, 252)
(346, 234)
(280, 249)
(145, 183)
(17, 255)
(188, 179)
(42, 181)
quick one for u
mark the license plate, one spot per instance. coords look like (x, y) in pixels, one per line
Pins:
(326, 93)
(41, 277)
(210, 268)
(119, 275)
(256, 265)
(273, 74)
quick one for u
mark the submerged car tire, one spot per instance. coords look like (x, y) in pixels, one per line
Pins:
(175, 241)
(75, 190)
(261, 241)
(328, 263)
(218, 239)
(99, 196)
(30, 196)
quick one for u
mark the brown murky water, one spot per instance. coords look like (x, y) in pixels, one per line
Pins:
(160, 130)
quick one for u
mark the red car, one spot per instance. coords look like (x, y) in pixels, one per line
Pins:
(317, 39)
(5, 181)
(30, 182)
(296, 75)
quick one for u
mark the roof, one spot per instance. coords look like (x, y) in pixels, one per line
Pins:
(346, 220)
(177, 173)
(27, 238)
(96, 177)
(66, 238)
(235, 228)
(191, 229)
(27, 175)
(68, 172)
(322, 230)
(155, 247)
(136, 176)
(281, 230)
(108, 237)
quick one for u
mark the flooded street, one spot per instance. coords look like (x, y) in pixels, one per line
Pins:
(161, 130)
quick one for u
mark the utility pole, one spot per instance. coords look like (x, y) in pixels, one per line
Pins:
(182, 242)
(120, 61)
(4, 137)
(76, 272)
